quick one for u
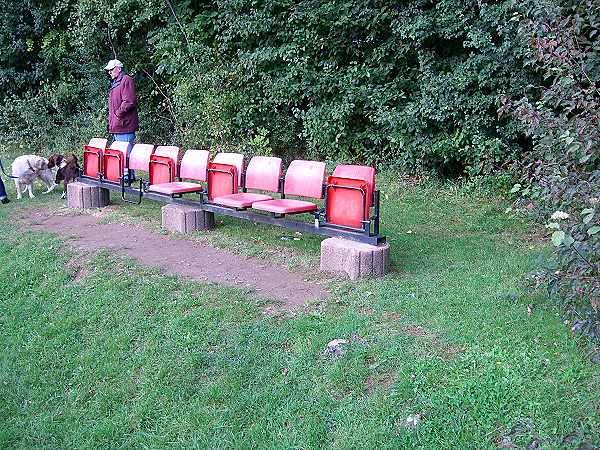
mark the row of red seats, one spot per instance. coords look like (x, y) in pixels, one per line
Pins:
(348, 191)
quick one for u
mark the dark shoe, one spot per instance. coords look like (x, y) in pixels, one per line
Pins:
(5, 200)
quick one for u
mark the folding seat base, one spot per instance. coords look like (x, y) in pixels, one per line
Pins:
(177, 187)
(285, 206)
(241, 200)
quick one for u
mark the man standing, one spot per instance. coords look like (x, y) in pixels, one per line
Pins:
(123, 119)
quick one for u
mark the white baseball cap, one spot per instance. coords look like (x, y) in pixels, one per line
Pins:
(112, 64)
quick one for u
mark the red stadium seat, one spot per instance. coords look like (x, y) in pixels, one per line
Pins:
(169, 151)
(193, 167)
(93, 154)
(302, 179)
(263, 173)
(225, 175)
(163, 164)
(139, 158)
(349, 195)
(162, 170)
(115, 161)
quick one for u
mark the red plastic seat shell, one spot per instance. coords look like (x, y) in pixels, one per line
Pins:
(347, 201)
(92, 160)
(222, 180)
(169, 151)
(114, 164)
(263, 173)
(284, 206)
(162, 169)
(139, 158)
(176, 187)
(305, 178)
(357, 172)
(98, 143)
(241, 199)
(232, 159)
(194, 165)
(120, 146)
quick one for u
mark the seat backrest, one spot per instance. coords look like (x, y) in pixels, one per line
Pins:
(114, 163)
(165, 152)
(347, 202)
(305, 178)
(263, 172)
(163, 169)
(139, 158)
(233, 159)
(170, 151)
(92, 160)
(356, 172)
(222, 180)
(194, 165)
(121, 146)
(98, 143)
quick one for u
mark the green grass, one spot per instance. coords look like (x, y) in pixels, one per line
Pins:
(121, 356)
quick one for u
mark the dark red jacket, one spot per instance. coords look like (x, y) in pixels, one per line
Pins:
(122, 106)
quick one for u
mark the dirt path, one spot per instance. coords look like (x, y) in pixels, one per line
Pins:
(197, 261)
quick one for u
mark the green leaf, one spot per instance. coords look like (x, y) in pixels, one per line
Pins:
(515, 188)
(553, 226)
(593, 230)
(568, 240)
(588, 218)
(587, 211)
(558, 237)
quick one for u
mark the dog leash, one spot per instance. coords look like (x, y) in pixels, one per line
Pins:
(4, 171)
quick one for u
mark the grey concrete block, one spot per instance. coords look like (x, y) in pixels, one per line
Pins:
(354, 259)
(81, 195)
(186, 219)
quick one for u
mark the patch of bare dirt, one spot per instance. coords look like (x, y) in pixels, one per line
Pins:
(189, 259)
(392, 315)
(77, 265)
(446, 351)
(383, 380)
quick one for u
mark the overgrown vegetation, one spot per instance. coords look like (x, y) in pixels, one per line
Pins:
(411, 85)
(561, 176)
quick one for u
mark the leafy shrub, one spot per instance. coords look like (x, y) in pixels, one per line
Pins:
(411, 85)
(562, 173)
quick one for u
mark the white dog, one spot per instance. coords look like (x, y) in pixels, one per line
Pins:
(27, 168)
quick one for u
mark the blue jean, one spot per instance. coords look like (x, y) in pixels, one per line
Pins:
(126, 137)
(2, 191)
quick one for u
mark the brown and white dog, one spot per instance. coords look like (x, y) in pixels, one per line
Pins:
(28, 168)
(67, 172)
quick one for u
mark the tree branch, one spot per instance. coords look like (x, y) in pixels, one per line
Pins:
(170, 106)
(189, 46)
(110, 41)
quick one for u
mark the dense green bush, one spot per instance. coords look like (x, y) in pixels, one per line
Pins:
(412, 84)
(561, 176)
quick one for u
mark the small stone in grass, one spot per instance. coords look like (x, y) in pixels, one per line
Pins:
(335, 348)
(412, 421)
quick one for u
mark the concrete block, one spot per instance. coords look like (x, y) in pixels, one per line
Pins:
(82, 195)
(186, 219)
(354, 259)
